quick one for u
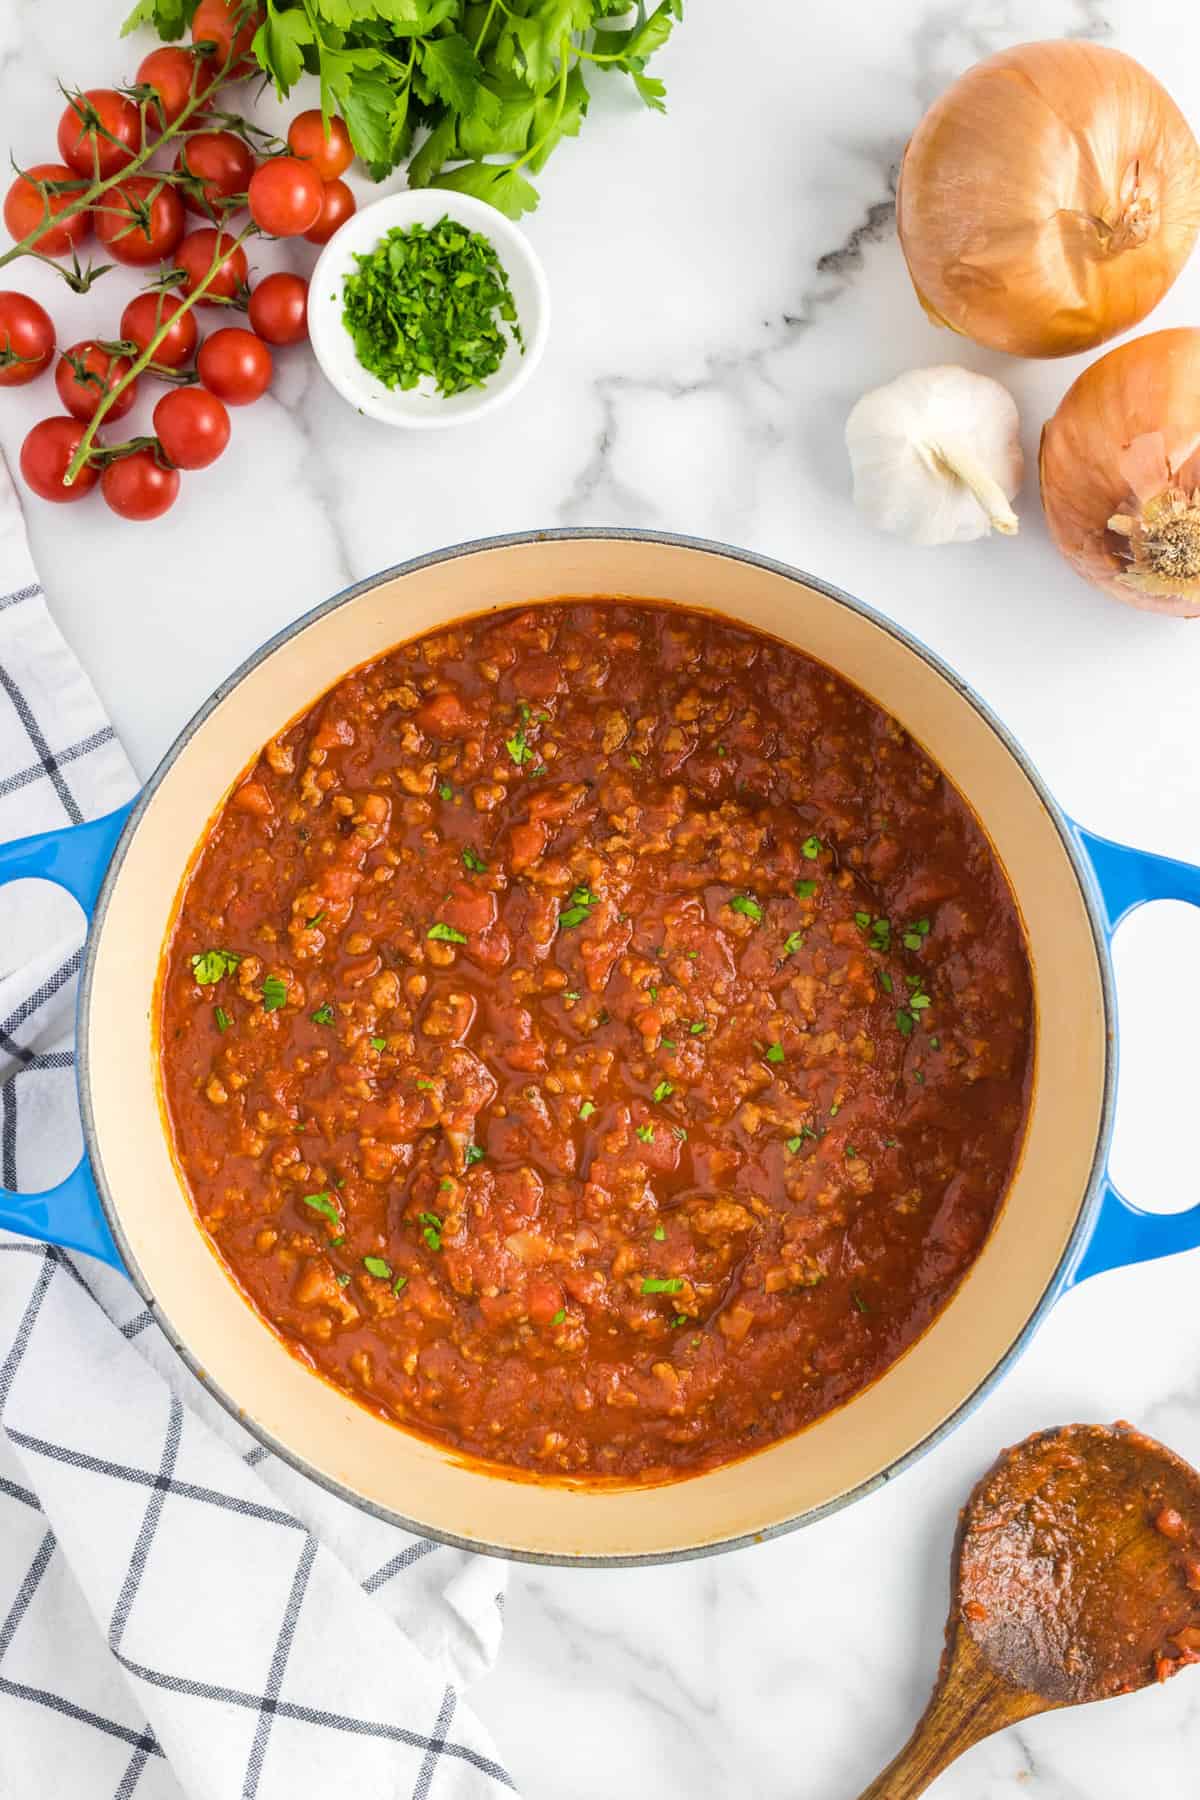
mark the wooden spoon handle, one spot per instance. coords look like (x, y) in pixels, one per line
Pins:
(969, 1703)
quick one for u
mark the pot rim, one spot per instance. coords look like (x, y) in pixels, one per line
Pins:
(1089, 1199)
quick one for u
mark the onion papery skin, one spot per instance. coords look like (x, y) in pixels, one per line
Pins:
(1048, 199)
(1125, 444)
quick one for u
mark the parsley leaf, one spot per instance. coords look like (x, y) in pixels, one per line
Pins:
(446, 934)
(472, 861)
(375, 1265)
(811, 848)
(323, 1015)
(211, 965)
(274, 993)
(805, 889)
(745, 903)
(587, 1109)
(662, 1092)
(432, 1232)
(792, 942)
(654, 1284)
(222, 1018)
(323, 1203)
(646, 1133)
(774, 1053)
(474, 1154)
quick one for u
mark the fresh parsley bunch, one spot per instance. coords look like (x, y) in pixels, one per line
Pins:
(485, 89)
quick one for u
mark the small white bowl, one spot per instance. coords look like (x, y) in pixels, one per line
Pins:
(422, 407)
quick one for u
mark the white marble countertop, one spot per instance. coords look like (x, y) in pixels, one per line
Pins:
(726, 281)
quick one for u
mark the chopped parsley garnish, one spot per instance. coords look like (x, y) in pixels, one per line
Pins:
(746, 903)
(446, 934)
(587, 1109)
(657, 1284)
(323, 1204)
(517, 748)
(851, 1152)
(474, 1154)
(835, 1109)
(935, 1043)
(315, 920)
(445, 791)
(662, 1092)
(472, 861)
(680, 1319)
(905, 1022)
(885, 981)
(680, 1132)
(919, 1078)
(635, 762)
(660, 1234)
(862, 920)
(337, 1242)
(343, 1280)
(274, 993)
(445, 1184)
(859, 1301)
(916, 934)
(794, 1143)
(572, 994)
(691, 955)
(697, 1026)
(668, 1043)
(379, 1043)
(432, 1232)
(919, 1002)
(646, 1133)
(401, 1281)
(792, 942)
(211, 965)
(424, 1086)
(811, 848)
(560, 1316)
(774, 1053)
(375, 1265)
(805, 889)
(579, 907)
(653, 992)
(222, 1018)
(323, 1015)
(721, 750)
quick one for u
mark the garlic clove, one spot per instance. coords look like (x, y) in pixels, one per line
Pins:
(936, 456)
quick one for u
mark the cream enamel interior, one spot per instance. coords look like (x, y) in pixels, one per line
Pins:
(394, 1471)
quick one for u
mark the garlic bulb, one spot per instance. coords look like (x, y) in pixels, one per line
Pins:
(936, 456)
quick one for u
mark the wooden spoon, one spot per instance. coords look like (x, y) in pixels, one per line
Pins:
(1076, 1576)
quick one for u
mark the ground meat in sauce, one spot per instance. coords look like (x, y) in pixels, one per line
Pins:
(621, 1044)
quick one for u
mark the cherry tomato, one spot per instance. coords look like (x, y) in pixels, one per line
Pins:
(222, 162)
(172, 71)
(279, 309)
(26, 339)
(88, 127)
(46, 456)
(235, 365)
(329, 155)
(137, 486)
(140, 221)
(142, 318)
(195, 255)
(192, 427)
(25, 208)
(84, 375)
(286, 195)
(216, 23)
(337, 205)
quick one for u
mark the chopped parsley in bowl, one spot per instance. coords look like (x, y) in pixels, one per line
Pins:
(427, 311)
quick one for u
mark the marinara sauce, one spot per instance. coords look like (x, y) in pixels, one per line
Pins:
(595, 1036)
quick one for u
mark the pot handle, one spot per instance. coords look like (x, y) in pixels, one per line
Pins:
(1123, 1233)
(74, 858)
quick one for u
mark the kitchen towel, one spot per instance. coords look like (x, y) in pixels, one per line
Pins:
(182, 1615)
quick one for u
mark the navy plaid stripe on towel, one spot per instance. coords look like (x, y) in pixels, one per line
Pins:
(182, 1616)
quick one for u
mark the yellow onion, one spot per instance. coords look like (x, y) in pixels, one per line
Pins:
(1048, 200)
(1120, 471)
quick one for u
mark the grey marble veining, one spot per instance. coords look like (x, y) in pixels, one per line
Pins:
(726, 282)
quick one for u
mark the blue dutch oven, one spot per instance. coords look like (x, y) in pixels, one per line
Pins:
(1063, 1219)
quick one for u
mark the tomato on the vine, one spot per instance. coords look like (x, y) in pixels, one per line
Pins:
(25, 208)
(285, 196)
(279, 308)
(216, 22)
(140, 221)
(222, 162)
(195, 257)
(235, 365)
(192, 427)
(46, 456)
(99, 133)
(26, 339)
(337, 205)
(146, 313)
(329, 155)
(171, 72)
(139, 487)
(84, 376)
